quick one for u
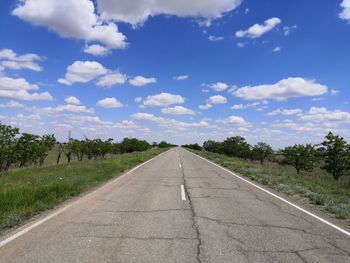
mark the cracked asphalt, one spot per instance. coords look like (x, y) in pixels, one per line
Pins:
(141, 218)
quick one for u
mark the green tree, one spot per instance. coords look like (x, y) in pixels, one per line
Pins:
(7, 146)
(301, 157)
(26, 149)
(236, 147)
(261, 151)
(213, 146)
(336, 153)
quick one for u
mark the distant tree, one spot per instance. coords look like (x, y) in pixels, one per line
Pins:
(301, 157)
(43, 146)
(213, 146)
(261, 151)
(336, 153)
(164, 144)
(59, 152)
(67, 149)
(194, 146)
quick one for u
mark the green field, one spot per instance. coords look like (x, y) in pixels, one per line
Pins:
(317, 187)
(26, 192)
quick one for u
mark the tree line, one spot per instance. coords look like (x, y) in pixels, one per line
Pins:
(25, 149)
(333, 154)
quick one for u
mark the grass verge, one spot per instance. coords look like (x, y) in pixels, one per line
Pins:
(318, 188)
(26, 192)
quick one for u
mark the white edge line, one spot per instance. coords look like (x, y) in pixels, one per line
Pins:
(180, 165)
(280, 198)
(30, 226)
(183, 195)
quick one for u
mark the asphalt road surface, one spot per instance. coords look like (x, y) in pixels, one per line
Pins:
(147, 216)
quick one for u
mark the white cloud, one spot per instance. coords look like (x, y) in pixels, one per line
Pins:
(13, 104)
(72, 100)
(178, 110)
(63, 108)
(109, 103)
(215, 38)
(83, 72)
(181, 77)
(334, 92)
(217, 99)
(288, 29)
(257, 30)
(241, 44)
(286, 112)
(9, 59)
(276, 49)
(282, 90)
(233, 120)
(246, 106)
(205, 106)
(138, 99)
(139, 81)
(138, 11)
(323, 115)
(345, 14)
(96, 50)
(18, 89)
(163, 100)
(219, 86)
(72, 19)
(111, 79)
(169, 123)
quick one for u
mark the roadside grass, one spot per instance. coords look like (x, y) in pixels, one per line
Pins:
(26, 192)
(318, 187)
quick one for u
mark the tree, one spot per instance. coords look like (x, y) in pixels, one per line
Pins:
(301, 157)
(213, 146)
(26, 149)
(7, 146)
(336, 153)
(194, 146)
(261, 151)
(236, 147)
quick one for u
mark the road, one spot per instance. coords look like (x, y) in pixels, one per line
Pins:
(142, 217)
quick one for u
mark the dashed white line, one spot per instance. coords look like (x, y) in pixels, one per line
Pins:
(280, 198)
(183, 195)
(180, 165)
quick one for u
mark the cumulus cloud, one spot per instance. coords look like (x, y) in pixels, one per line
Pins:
(138, 99)
(258, 30)
(109, 103)
(345, 14)
(286, 112)
(111, 79)
(249, 105)
(13, 104)
(276, 49)
(178, 110)
(181, 77)
(139, 81)
(219, 86)
(233, 120)
(83, 72)
(72, 100)
(71, 19)
(9, 59)
(163, 100)
(96, 50)
(324, 115)
(64, 108)
(19, 89)
(169, 123)
(138, 11)
(217, 99)
(206, 106)
(282, 90)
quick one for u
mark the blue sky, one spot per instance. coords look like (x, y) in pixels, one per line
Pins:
(274, 71)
